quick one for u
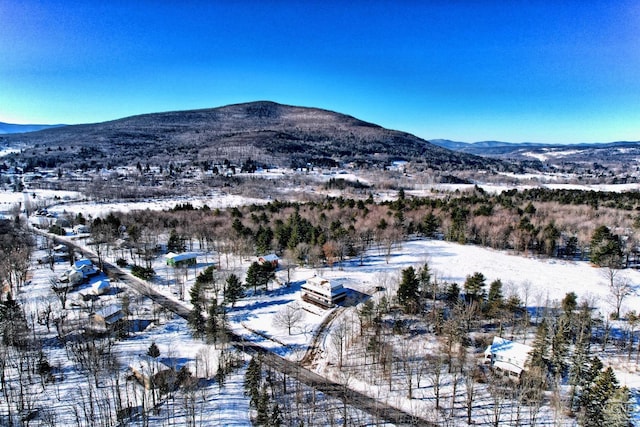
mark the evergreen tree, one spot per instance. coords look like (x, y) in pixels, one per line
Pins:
(597, 398)
(259, 275)
(176, 242)
(616, 412)
(606, 248)
(539, 354)
(263, 239)
(452, 294)
(233, 290)
(495, 300)
(206, 277)
(409, 292)
(474, 287)
(569, 303)
(275, 419)
(559, 346)
(252, 380)
(196, 318)
(251, 278)
(427, 288)
(153, 350)
(580, 364)
(262, 407)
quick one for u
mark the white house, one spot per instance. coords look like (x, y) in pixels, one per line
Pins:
(507, 356)
(81, 270)
(322, 292)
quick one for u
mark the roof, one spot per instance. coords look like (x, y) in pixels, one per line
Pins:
(509, 351)
(110, 311)
(509, 367)
(270, 257)
(181, 256)
(325, 285)
(81, 263)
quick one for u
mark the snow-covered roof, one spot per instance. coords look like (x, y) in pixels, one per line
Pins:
(110, 311)
(81, 263)
(181, 256)
(323, 283)
(270, 258)
(101, 285)
(511, 354)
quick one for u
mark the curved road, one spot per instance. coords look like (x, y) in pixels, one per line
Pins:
(375, 408)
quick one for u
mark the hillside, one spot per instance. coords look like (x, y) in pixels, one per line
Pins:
(269, 133)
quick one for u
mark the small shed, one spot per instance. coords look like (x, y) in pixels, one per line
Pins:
(184, 259)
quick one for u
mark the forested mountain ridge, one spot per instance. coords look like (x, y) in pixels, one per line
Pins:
(617, 155)
(269, 133)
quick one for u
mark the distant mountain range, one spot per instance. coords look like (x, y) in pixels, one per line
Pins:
(611, 154)
(6, 128)
(266, 132)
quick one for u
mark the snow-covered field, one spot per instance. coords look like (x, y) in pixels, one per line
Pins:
(541, 282)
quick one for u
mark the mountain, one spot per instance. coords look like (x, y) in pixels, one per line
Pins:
(266, 132)
(6, 128)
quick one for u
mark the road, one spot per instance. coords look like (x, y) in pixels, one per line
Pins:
(377, 409)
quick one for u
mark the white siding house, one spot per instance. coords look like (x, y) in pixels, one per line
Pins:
(320, 291)
(507, 356)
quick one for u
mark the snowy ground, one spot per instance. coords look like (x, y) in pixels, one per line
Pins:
(538, 281)
(541, 282)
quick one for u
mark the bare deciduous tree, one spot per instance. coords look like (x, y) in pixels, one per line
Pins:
(289, 317)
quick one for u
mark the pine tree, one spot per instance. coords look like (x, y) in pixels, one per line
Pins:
(175, 242)
(263, 407)
(427, 288)
(233, 290)
(495, 300)
(259, 275)
(408, 291)
(539, 353)
(275, 419)
(252, 380)
(474, 287)
(596, 398)
(153, 350)
(452, 294)
(196, 319)
(559, 346)
(616, 412)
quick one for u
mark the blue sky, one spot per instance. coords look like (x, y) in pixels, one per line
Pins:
(463, 70)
